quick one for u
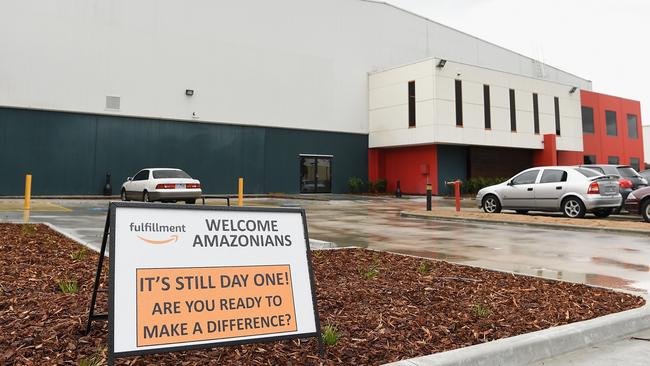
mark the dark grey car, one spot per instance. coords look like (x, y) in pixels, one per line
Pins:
(626, 172)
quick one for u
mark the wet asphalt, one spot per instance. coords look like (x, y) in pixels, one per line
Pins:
(617, 261)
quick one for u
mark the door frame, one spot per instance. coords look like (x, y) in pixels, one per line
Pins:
(316, 156)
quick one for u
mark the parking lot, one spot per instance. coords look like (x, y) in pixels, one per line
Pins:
(598, 258)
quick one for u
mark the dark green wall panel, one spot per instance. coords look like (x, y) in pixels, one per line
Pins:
(452, 164)
(69, 154)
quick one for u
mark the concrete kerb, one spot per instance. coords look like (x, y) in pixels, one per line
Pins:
(537, 346)
(544, 225)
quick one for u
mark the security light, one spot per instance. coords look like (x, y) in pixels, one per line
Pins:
(573, 90)
(441, 63)
(189, 92)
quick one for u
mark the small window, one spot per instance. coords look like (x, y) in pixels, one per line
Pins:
(610, 121)
(486, 106)
(528, 177)
(459, 103)
(411, 103)
(553, 176)
(588, 120)
(536, 113)
(612, 160)
(513, 112)
(632, 127)
(589, 159)
(142, 175)
(558, 130)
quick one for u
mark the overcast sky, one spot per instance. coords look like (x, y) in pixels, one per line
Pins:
(605, 41)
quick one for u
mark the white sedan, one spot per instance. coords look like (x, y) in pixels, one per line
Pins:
(161, 184)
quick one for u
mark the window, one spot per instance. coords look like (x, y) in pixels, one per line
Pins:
(612, 160)
(513, 112)
(588, 120)
(589, 159)
(558, 131)
(459, 103)
(411, 103)
(536, 113)
(632, 127)
(635, 163)
(161, 174)
(528, 177)
(142, 175)
(588, 172)
(553, 176)
(486, 106)
(610, 121)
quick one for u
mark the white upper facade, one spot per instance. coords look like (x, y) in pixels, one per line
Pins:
(435, 108)
(284, 63)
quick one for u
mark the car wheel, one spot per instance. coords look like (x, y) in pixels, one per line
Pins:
(574, 208)
(190, 202)
(123, 195)
(145, 196)
(521, 212)
(645, 210)
(491, 204)
(603, 212)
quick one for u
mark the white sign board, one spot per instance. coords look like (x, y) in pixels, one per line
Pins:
(186, 277)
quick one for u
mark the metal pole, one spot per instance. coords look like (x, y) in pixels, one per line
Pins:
(28, 191)
(457, 193)
(240, 196)
(428, 197)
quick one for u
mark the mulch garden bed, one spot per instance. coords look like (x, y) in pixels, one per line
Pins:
(384, 307)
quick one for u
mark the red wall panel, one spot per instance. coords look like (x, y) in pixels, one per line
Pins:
(410, 165)
(599, 143)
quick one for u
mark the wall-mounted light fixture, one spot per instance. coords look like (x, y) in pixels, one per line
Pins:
(573, 89)
(441, 63)
(189, 92)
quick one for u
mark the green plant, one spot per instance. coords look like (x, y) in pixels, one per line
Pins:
(68, 286)
(371, 271)
(95, 360)
(424, 267)
(475, 184)
(380, 185)
(356, 185)
(481, 311)
(330, 335)
(371, 187)
(28, 229)
(79, 255)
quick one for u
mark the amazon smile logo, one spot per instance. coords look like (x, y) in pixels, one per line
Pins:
(156, 228)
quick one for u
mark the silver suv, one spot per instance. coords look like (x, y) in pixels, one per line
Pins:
(574, 191)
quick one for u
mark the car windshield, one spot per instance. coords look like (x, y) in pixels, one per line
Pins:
(627, 172)
(587, 172)
(161, 174)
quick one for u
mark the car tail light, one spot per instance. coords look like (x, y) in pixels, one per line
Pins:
(193, 185)
(625, 183)
(165, 186)
(593, 188)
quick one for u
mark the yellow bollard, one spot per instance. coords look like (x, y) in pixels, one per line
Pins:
(240, 196)
(28, 191)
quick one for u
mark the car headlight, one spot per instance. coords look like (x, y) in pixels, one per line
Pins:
(631, 196)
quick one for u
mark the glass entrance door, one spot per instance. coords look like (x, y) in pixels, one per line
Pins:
(315, 174)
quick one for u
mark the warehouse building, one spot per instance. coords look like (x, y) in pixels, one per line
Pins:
(292, 95)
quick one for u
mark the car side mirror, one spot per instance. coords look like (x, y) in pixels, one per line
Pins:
(129, 179)
(510, 183)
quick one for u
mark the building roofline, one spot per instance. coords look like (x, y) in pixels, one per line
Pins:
(613, 96)
(379, 2)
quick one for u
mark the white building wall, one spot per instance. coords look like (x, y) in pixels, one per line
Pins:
(284, 63)
(388, 121)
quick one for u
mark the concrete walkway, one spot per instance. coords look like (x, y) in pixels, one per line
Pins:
(630, 351)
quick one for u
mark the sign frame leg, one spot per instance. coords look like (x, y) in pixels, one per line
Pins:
(91, 312)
